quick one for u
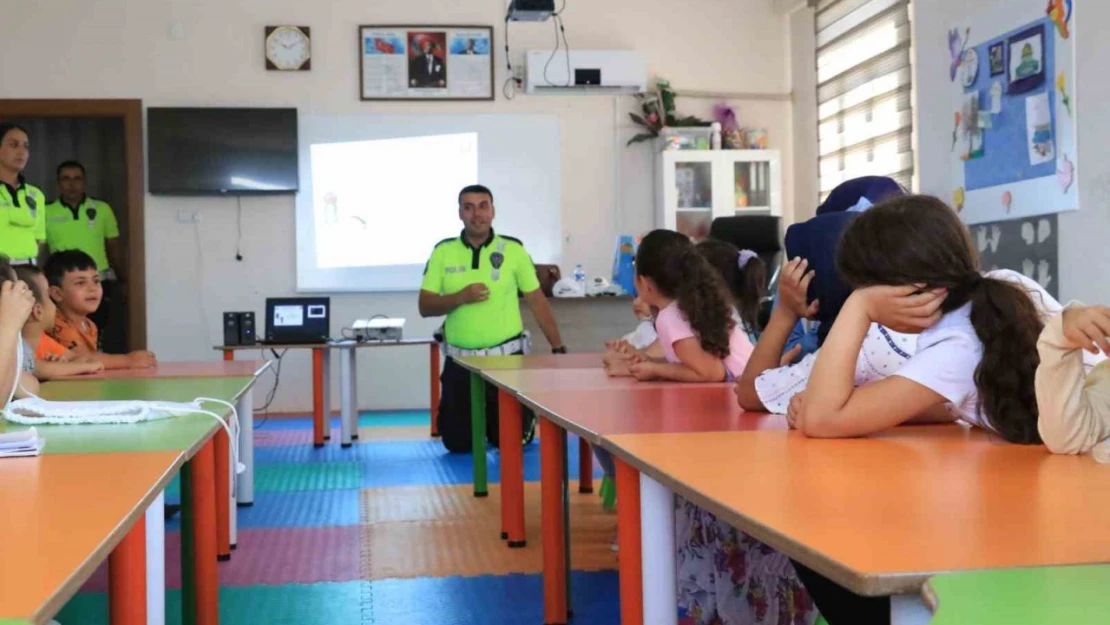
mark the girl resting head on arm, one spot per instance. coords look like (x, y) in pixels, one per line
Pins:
(914, 269)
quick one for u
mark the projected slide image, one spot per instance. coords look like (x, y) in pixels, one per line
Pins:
(389, 201)
(287, 316)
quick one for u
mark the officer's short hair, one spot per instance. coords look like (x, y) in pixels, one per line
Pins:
(61, 263)
(6, 127)
(71, 165)
(475, 188)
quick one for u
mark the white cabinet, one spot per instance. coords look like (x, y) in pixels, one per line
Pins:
(698, 186)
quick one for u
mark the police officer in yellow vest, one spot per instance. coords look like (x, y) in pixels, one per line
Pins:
(22, 206)
(475, 280)
(76, 221)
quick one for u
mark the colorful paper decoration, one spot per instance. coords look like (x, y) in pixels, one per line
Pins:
(1007, 200)
(1062, 87)
(1066, 173)
(956, 47)
(958, 197)
(1059, 11)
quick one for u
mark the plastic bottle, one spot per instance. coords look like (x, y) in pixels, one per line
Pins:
(580, 277)
(715, 141)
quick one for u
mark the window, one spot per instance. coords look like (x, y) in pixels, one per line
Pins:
(864, 99)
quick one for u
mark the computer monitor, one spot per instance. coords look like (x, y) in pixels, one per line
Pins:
(295, 320)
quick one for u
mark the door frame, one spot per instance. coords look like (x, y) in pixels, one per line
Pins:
(131, 112)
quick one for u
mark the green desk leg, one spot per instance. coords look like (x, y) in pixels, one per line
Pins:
(1071, 595)
(188, 580)
(478, 432)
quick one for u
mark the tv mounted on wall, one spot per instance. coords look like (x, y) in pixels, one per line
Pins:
(214, 151)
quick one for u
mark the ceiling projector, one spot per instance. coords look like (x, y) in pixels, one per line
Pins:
(531, 10)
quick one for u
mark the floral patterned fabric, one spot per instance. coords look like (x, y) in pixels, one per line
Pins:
(726, 577)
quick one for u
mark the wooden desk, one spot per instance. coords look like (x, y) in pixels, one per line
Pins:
(882, 515)
(63, 515)
(207, 519)
(1075, 595)
(594, 415)
(206, 369)
(476, 365)
(348, 381)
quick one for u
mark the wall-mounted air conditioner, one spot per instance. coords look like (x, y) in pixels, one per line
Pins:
(588, 72)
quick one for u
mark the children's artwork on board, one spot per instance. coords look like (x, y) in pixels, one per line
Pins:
(957, 45)
(997, 57)
(1014, 137)
(1038, 120)
(969, 67)
(1028, 246)
(1027, 60)
(1059, 11)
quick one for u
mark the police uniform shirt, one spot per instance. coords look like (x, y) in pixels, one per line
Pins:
(502, 264)
(22, 220)
(85, 227)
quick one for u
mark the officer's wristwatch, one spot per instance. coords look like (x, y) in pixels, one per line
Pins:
(559, 350)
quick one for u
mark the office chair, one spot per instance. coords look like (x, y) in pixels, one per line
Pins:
(761, 234)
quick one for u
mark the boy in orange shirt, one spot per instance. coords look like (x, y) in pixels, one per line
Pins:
(75, 287)
(42, 318)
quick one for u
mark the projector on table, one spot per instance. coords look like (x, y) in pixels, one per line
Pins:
(378, 329)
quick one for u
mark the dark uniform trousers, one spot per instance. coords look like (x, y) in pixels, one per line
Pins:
(454, 409)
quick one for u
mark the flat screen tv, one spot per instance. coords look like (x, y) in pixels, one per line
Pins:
(238, 151)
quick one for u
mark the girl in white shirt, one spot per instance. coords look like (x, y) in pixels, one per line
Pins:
(914, 269)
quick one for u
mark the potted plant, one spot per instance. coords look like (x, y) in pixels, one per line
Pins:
(657, 112)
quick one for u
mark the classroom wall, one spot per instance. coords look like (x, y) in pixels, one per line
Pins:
(1084, 254)
(209, 52)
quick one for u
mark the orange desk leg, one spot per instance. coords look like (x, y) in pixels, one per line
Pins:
(630, 566)
(127, 578)
(318, 398)
(223, 496)
(512, 468)
(433, 369)
(585, 467)
(229, 354)
(552, 463)
(203, 477)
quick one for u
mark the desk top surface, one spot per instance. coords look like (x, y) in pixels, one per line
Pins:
(186, 433)
(881, 515)
(1076, 595)
(63, 515)
(655, 408)
(542, 361)
(206, 369)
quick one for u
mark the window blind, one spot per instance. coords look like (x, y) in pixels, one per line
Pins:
(864, 84)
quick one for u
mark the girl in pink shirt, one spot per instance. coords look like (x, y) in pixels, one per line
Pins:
(702, 337)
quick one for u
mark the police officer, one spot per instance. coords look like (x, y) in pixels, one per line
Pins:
(22, 206)
(76, 221)
(474, 279)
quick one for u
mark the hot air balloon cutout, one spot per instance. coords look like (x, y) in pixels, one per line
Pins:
(1059, 11)
(956, 131)
(1065, 175)
(958, 198)
(1007, 200)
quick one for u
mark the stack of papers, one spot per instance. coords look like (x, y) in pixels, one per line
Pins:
(20, 444)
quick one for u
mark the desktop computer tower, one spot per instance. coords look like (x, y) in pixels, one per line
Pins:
(239, 329)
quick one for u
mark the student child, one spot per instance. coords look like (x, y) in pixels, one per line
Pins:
(702, 333)
(1073, 399)
(75, 288)
(16, 302)
(913, 268)
(40, 320)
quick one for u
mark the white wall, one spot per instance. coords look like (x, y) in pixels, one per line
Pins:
(209, 52)
(1083, 250)
(803, 79)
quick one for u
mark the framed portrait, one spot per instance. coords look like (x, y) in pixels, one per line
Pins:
(997, 54)
(426, 62)
(1026, 64)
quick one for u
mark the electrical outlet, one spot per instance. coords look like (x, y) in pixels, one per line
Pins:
(187, 217)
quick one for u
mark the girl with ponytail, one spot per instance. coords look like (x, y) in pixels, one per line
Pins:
(701, 335)
(913, 268)
(745, 276)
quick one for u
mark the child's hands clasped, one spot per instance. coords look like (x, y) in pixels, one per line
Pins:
(907, 309)
(793, 286)
(16, 302)
(1087, 327)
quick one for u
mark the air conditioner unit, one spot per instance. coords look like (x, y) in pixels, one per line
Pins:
(585, 72)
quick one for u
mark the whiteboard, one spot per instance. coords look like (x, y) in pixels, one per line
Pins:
(518, 159)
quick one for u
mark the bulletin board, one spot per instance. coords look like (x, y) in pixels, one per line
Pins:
(1029, 246)
(1012, 94)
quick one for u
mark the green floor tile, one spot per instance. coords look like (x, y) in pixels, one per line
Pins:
(282, 478)
(295, 604)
